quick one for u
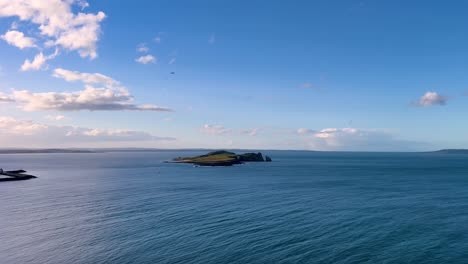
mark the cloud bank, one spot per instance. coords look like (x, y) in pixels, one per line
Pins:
(110, 97)
(351, 139)
(91, 98)
(13, 131)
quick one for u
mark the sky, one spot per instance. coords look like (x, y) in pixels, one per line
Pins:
(307, 75)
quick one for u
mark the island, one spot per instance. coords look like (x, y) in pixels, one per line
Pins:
(16, 175)
(223, 158)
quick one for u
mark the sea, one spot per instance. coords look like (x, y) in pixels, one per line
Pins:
(304, 207)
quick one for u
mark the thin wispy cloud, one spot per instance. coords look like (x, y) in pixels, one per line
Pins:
(88, 78)
(55, 117)
(215, 129)
(38, 63)
(159, 38)
(142, 47)
(250, 132)
(29, 131)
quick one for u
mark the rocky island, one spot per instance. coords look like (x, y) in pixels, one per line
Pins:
(223, 158)
(16, 175)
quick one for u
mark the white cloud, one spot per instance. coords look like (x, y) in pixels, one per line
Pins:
(215, 129)
(113, 134)
(89, 78)
(55, 117)
(5, 98)
(305, 131)
(57, 23)
(432, 98)
(142, 48)
(91, 98)
(17, 39)
(353, 139)
(146, 59)
(111, 97)
(38, 63)
(16, 132)
(10, 125)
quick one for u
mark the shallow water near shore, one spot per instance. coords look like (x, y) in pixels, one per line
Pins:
(304, 207)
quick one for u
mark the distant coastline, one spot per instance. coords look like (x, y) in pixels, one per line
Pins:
(42, 151)
(107, 150)
(451, 151)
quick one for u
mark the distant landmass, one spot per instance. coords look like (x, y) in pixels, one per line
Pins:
(42, 151)
(223, 158)
(451, 151)
(227, 155)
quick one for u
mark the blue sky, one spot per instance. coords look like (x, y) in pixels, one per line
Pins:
(320, 75)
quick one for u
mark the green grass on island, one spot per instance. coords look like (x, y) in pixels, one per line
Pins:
(223, 158)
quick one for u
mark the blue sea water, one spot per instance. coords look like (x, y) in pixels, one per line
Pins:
(305, 207)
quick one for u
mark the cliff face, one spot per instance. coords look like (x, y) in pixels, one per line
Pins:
(251, 157)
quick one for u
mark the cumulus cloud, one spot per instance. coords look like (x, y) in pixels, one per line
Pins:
(14, 131)
(110, 97)
(18, 39)
(353, 139)
(146, 59)
(431, 98)
(215, 129)
(58, 24)
(89, 78)
(91, 98)
(38, 63)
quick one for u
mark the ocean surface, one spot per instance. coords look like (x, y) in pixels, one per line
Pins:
(304, 207)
